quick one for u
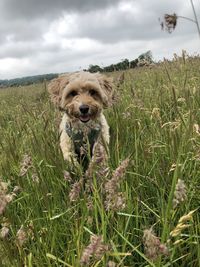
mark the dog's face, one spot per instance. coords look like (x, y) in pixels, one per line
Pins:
(82, 100)
(81, 95)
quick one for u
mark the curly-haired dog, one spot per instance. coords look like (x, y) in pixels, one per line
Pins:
(82, 96)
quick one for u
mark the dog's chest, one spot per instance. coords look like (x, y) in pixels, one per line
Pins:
(83, 138)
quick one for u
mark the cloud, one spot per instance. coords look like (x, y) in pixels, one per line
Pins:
(56, 36)
(50, 8)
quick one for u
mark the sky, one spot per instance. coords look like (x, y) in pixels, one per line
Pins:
(56, 36)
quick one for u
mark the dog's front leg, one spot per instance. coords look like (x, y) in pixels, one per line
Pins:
(66, 146)
(105, 130)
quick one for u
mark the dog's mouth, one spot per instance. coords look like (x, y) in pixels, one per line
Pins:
(85, 118)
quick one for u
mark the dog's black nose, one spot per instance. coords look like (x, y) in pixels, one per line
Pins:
(84, 109)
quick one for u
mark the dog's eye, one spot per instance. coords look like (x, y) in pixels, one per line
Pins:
(73, 93)
(92, 92)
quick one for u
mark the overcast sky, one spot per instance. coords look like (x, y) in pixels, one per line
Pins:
(48, 36)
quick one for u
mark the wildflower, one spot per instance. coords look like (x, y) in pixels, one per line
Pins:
(179, 193)
(21, 236)
(152, 245)
(26, 164)
(95, 249)
(75, 191)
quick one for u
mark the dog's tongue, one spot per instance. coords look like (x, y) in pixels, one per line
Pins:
(84, 118)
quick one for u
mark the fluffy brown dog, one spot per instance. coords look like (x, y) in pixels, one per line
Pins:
(82, 96)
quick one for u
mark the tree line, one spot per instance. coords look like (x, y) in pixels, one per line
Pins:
(143, 59)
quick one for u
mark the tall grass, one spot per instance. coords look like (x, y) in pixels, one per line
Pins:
(153, 125)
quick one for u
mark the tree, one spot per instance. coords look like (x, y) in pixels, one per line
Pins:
(94, 68)
(147, 56)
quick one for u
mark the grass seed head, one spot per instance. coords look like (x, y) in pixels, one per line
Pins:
(5, 198)
(16, 189)
(179, 241)
(115, 199)
(98, 164)
(111, 264)
(182, 224)
(152, 245)
(67, 176)
(169, 23)
(3, 204)
(180, 193)
(75, 190)
(90, 205)
(178, 229)
(25, 165)
(155, 114)
(120, 171)
(100, 155)
(4, 232)
(21, 236)
(196, 129)
(187, 217)
(35, 178)
(115, 202)
(95, 249)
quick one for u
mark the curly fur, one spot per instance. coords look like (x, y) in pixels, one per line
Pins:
(69, 92)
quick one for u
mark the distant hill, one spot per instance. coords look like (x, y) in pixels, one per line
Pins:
(27, 80)
(142, 60)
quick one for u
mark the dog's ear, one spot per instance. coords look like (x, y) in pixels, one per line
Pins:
(107, 87)
(55, 88)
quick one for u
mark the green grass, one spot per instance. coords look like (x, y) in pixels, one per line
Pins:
(153, 124)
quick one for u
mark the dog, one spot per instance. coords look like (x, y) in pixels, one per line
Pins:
(82, 97)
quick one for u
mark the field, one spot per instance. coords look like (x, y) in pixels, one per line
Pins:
(48, 219)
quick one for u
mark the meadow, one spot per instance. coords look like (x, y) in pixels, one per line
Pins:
(47, 216)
